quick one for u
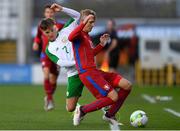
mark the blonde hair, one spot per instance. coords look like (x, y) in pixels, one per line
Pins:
(87, 12)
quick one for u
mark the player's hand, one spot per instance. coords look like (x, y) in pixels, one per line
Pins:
(35, 47)
(104, 39)
(56, 7)
(87, 18)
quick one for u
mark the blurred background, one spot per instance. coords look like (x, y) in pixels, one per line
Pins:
(147, 51)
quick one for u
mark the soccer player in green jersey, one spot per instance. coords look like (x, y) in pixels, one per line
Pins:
(60, 52)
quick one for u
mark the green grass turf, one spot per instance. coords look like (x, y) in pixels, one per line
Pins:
(21, 107)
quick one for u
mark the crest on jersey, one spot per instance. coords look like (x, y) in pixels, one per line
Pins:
(106, 87)
(43, 63)
(64, 39)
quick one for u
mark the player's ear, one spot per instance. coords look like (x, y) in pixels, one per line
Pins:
(55, 27)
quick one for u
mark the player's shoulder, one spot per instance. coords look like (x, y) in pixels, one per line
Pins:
(51, 48)
(60, 24)
(71, 23)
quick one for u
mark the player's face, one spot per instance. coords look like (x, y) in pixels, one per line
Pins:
(90, 24)
(51, 33)
(48, 13)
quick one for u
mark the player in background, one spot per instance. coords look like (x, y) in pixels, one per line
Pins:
(108, 88)
(112, 48)
(50, 70)
(60, 51)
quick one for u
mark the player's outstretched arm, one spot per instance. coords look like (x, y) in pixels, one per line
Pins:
(72, 13)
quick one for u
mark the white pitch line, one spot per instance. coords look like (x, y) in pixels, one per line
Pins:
(149, 98)
(172, 112)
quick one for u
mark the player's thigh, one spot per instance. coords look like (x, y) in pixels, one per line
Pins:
(74, 87)
(96, 84)
(45, 67)
(112, 78)
(53, 78)
(46, 72)
(54, 72)
(54, 68)
(71, 103)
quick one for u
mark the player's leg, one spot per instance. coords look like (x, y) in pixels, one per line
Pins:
(123, 88)
(74, 91)
(104, 93)
(53, 81)
(116, 81)
(47, 85)
(100, 88)
(48, 100)
(54, 73)
(71, 103)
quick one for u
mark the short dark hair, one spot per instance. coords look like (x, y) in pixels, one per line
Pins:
(48, 6)
(46, 23)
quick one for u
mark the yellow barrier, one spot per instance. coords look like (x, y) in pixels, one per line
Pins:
(177, 77)
(8, 52)
(168, 75)
(147, 76)
(162, 76)
(155, 76)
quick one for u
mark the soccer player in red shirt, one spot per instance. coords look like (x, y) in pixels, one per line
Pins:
(50, 70)
(108, 88)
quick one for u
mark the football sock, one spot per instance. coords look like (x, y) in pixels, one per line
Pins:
(47, 88)
(122, 94)
(96, 105)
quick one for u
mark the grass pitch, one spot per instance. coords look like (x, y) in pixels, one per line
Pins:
(21, 107)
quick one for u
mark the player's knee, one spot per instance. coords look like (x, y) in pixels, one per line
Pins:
(70, 108)
(113, 95)
(52, 81)
(46, 75)
(127, 85)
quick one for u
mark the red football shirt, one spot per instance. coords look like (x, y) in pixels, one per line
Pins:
(84, 52)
